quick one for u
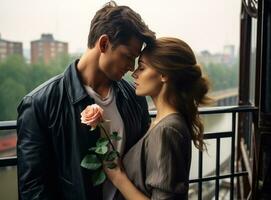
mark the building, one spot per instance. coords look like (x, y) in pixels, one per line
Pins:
(227, 58)
(47, 48)
(228, 54)
(205, 57)
(8, 48)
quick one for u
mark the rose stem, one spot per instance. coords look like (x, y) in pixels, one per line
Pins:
(109, 139)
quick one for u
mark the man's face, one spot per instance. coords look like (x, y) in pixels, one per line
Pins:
(116, 62)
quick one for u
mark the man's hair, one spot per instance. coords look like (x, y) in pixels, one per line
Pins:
(120, 24)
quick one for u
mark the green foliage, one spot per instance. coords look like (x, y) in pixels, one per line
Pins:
(91, 162)
(17, 78)
(101, 150)
(128, 77)
(98, 177)
(100, 154)
(222, 76)
(11, 93)
(115, 136)
(111, 156)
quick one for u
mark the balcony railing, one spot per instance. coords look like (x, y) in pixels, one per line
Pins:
(217, 136)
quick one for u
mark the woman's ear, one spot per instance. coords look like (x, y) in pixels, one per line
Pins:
(103, 43)
(164, 78)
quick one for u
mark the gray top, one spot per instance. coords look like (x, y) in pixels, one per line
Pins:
(159, 163)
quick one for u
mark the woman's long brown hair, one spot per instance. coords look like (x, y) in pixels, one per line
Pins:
(187, 87)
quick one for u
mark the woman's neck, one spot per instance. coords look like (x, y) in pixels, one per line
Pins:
(163, 108)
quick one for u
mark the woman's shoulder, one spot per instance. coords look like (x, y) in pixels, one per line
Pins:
(171, 126)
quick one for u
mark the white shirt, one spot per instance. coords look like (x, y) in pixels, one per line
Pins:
(108, 104)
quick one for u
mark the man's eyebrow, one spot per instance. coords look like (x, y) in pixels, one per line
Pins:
(130, 54)
(134, 55)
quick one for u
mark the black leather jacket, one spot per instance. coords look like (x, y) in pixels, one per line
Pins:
(52, 141)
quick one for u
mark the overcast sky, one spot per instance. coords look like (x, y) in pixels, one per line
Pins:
(204, 24)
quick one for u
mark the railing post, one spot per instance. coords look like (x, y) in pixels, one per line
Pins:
(217, 168)
(200, 176)
(232, 155)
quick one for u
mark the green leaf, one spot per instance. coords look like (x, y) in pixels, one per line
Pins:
(98, 177)
(112, 155)
(102, 156)
(102, 142)
(115, 137)
(101, 150)
(111, 165)
(92, 148)
(115, 133)
(91, 162)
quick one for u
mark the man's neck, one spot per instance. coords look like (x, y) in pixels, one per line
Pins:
(90, 73)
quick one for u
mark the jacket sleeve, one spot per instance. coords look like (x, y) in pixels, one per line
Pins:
(167, 169)
(32, 153)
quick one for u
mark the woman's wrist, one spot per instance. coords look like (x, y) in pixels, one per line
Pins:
(120, 179)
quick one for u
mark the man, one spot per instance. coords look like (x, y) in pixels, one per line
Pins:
(51, 139)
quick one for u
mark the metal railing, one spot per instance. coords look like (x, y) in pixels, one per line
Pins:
(8, 161)
(217, 136)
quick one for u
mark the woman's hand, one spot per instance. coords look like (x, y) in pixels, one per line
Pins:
(120, 180)
(117, 174)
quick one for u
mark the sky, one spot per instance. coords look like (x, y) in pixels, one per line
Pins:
(203, 24)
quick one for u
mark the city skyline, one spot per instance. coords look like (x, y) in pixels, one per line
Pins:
(203, 55)
(205, 24)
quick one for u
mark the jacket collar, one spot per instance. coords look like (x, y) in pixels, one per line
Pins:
(74, 86)
(118, 87)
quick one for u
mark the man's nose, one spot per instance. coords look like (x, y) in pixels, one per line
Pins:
(131, 68)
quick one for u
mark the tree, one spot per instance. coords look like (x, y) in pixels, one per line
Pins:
(11, 93)
(222, 76)
(17, 78)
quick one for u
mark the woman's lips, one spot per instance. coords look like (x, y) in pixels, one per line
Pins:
(135, 84)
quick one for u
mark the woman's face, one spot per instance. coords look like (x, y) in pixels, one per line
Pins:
(148, 81)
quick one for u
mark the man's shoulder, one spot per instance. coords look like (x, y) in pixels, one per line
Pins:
(46, 87)
(41, 95)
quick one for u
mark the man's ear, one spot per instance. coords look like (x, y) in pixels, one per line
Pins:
(103, 43)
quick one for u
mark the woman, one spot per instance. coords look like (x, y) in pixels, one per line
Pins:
(157, 167)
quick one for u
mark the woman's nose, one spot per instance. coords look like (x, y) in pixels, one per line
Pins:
(134, 74)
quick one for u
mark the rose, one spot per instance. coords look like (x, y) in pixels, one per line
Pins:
(99, 155)
(92, 115)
